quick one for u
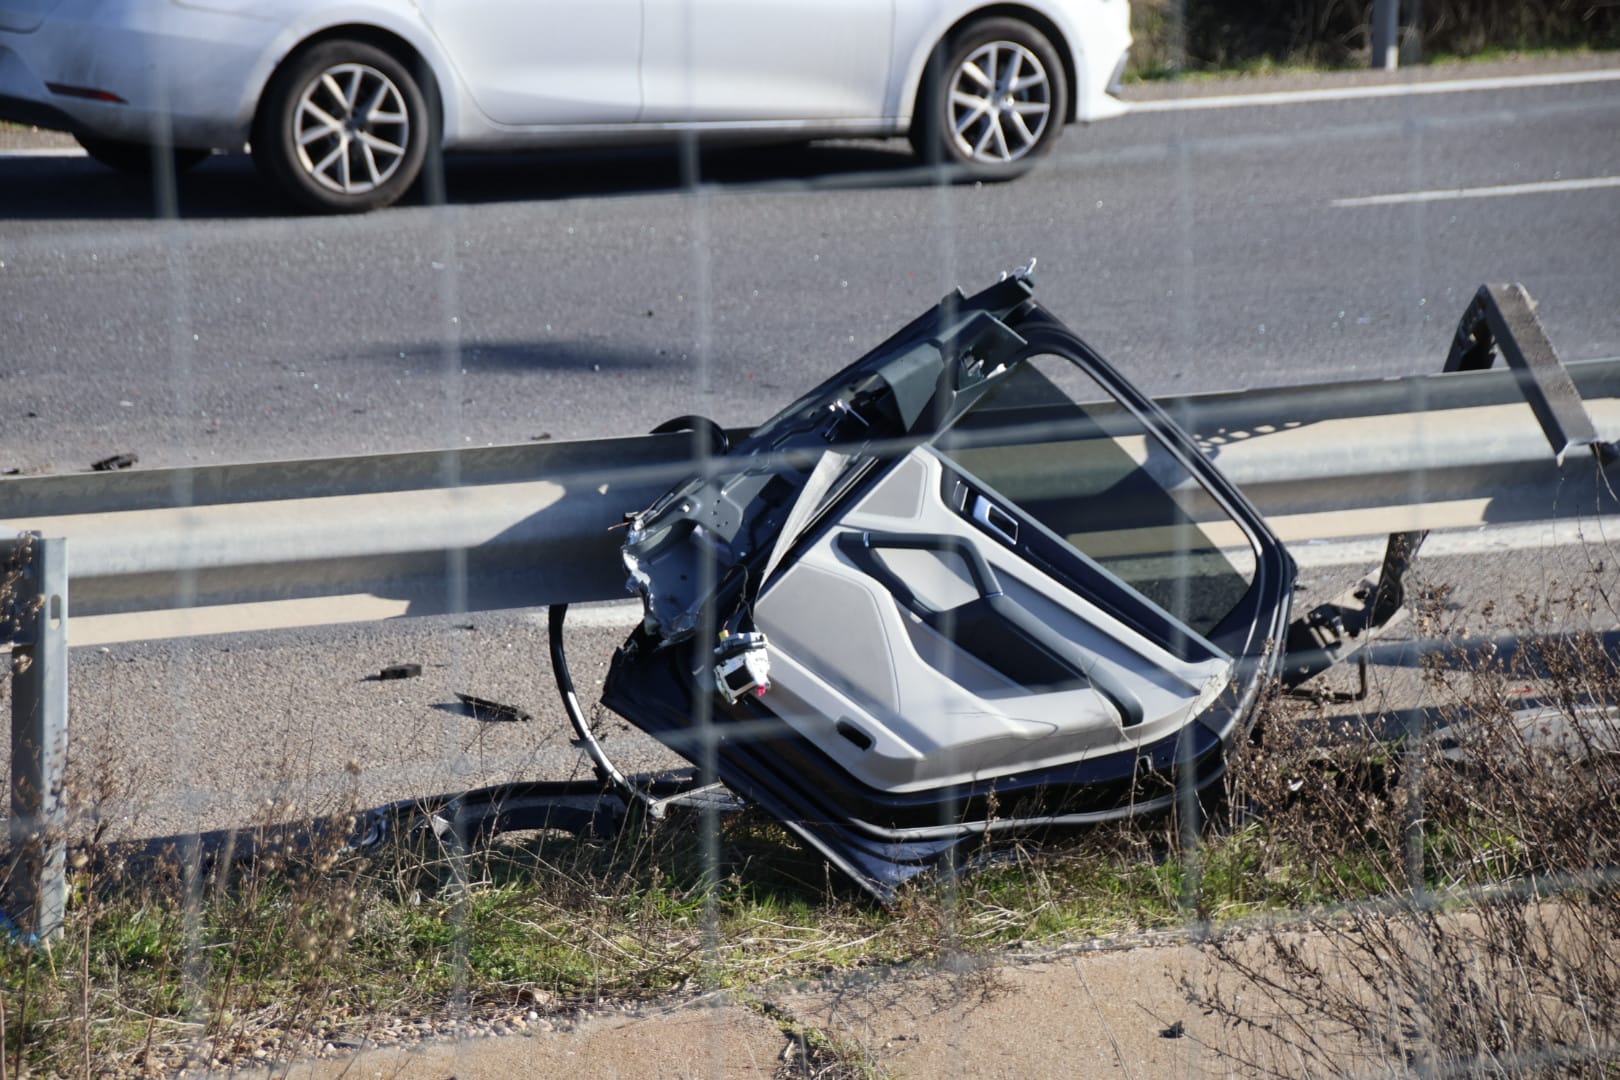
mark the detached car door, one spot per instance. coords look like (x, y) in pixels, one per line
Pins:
(980, 583)
(753, 61)
(544, 62)
(1044, 582)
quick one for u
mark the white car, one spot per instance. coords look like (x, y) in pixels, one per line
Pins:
(342, 100)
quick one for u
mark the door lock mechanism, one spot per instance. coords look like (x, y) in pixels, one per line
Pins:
(742, 665)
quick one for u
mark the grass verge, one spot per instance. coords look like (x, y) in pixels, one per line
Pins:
(1460, 882)
(313, 947)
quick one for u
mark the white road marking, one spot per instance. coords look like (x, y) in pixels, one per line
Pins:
(43, 152)
(232, 618)
(1360, 93)
(1536, 187)
(308, 611)
(1480, 539)
(612, 615)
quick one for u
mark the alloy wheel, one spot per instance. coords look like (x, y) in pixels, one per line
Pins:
(1000, 103)
(351, 128)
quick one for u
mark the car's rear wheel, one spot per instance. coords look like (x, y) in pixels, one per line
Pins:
(343, 126)
(993, 101)
(136, 158)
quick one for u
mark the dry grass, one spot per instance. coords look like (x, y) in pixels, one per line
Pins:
(1443, 904)
(1486, 845)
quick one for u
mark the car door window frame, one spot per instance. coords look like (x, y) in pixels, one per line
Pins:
(1079, 571)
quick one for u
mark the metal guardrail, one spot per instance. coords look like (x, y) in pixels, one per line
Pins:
(530, 525)
(1386, 34)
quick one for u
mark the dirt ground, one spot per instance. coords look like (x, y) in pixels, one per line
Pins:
(1107, 1012)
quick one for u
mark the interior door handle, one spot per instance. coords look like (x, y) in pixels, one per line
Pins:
(995, 519)
(861, 547)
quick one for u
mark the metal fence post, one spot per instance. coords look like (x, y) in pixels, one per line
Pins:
(36, 884)
(1386, 34)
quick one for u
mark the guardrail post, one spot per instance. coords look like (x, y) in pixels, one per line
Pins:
(1502, 318)
(36, 881)
(1386, 34)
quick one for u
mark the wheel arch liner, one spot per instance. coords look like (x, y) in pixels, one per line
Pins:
(411, 44)
(1050, 20)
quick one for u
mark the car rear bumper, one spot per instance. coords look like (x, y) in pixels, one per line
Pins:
(21, 110)
(121, 73)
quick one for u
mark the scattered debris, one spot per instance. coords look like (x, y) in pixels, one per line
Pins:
(14, 934)
(117, 461)
(484, 709)
(400, 671)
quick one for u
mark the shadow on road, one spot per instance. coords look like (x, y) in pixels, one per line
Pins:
(476, 356)
(72, 187)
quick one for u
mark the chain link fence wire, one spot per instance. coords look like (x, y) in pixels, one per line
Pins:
(1417, 882)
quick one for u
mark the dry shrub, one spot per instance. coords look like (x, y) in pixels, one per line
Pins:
(175, 955)
(1484, 843)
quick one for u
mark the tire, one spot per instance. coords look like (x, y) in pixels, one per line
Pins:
(719, 441)
(137, 159)
(343, 127)
(993, 101)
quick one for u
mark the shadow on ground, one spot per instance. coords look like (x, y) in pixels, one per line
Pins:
(72, 187)
(477, 356)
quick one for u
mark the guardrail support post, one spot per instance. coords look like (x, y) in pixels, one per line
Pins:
(1502, 318)
(1386, 34)
(36, 881)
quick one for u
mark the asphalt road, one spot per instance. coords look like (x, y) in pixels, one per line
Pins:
(577, 295)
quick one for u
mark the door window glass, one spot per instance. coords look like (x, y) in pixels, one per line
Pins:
(1051, 441)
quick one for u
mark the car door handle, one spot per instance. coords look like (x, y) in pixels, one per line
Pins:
(1017, 621)
(859, 546)
(994, 518)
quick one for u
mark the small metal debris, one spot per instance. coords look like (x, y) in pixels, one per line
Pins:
(400, 671)
(117, 461)
(484, 709)
(1177, 1030)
